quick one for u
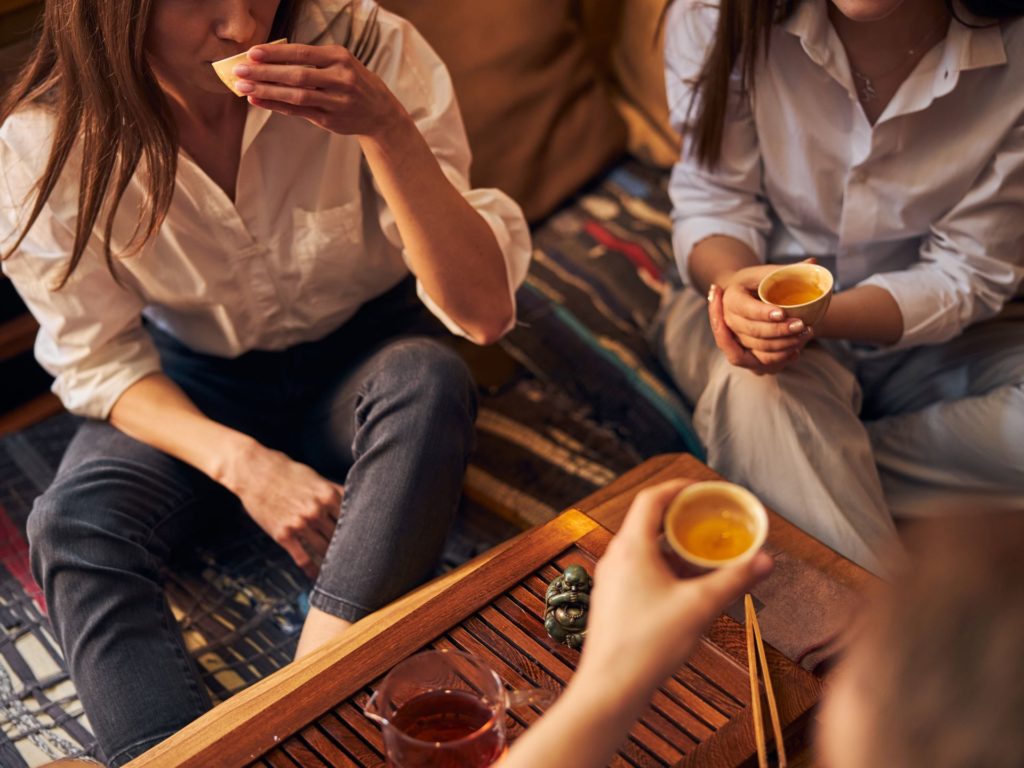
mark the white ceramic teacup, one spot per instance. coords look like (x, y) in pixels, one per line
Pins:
(691, 523)
(801, 290)
(225, 68)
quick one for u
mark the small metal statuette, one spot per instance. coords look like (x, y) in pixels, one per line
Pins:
(566, 604)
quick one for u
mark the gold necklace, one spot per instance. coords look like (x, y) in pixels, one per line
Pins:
(865, 84)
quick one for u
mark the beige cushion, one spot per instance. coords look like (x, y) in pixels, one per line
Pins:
(540, 121)
(626, 35)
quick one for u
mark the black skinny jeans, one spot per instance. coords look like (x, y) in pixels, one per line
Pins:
(375, 405)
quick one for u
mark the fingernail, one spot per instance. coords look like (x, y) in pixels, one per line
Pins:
(244, 86)
(256, 54)
(242, 71)
(711, 292)
(762, 565)
(796, 326)
(777, 314)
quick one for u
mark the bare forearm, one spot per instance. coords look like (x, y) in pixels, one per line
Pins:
(715, 258)
(157, 412)
(583, 729)
(451, 249)
(869, 314)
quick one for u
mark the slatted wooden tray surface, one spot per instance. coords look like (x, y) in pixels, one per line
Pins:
(309, 713)
(688, 722)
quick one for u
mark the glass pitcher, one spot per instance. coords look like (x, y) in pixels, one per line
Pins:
(445, 709)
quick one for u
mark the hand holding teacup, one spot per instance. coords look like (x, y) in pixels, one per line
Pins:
(750, 333)
(325, 84)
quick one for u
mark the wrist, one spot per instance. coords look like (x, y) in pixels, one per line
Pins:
(231, 456)
(612, 687)
(391, 133)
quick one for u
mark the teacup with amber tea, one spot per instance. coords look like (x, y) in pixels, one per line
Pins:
(713, 524)
(801, 290)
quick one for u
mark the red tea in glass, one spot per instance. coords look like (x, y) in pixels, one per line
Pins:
(445, 709)
(444, 717)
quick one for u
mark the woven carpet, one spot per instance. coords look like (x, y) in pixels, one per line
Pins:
(583, 401)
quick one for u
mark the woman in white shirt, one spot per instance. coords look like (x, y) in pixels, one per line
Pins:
(885, 138)
(223, 289)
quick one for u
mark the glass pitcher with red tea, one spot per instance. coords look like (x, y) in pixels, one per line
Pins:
(445, 709)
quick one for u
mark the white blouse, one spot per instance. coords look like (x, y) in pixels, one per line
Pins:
(306, 242)
(928, 203)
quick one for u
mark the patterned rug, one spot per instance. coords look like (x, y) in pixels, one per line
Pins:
(581, 400)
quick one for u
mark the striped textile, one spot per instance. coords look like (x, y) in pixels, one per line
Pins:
(586, 401)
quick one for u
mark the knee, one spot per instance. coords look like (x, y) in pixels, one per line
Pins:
(52, 530)
(1013, 426)
(732, 389)
(739, 405)
(431, 376)
(82, 523)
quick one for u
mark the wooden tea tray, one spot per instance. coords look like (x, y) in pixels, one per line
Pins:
(310, 713)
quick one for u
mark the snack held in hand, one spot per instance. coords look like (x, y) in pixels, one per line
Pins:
(225, 68)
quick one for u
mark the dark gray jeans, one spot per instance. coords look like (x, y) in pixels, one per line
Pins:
(375, 405)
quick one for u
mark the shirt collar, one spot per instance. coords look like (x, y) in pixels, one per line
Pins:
(964, 48)
(317, 16)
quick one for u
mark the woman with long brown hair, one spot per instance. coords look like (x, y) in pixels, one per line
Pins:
(885, 138)
(234, 293)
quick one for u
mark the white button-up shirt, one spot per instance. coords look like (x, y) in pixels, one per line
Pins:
(307, 240)
(928, 203)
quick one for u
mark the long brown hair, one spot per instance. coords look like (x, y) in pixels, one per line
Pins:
(742, 35)
(90, 68)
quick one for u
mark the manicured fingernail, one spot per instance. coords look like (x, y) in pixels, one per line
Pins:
(256, 54)
(796, 326)
(777, 314)
(245, 86)
(711, 292)
(242, 71)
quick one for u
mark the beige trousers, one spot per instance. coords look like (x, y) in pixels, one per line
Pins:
(840, 445)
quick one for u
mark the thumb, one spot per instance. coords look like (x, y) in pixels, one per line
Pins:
(720, 588)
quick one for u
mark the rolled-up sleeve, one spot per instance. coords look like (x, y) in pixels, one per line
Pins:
(972, 261)
(90, 338)
(421, 82)
(728, 199)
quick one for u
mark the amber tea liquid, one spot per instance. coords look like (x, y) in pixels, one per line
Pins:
(790, 292)
(442, 717)
(714, 528)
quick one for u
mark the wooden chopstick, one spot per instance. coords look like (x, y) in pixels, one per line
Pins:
(754, 635)
(755, 691)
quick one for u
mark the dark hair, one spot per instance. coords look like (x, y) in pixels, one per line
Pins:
(742, 34)
(90, 68)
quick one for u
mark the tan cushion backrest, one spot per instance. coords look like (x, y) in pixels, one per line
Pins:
(540, 120)
(627, 36)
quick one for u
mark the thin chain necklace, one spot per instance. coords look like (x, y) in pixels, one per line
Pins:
(866, 85)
